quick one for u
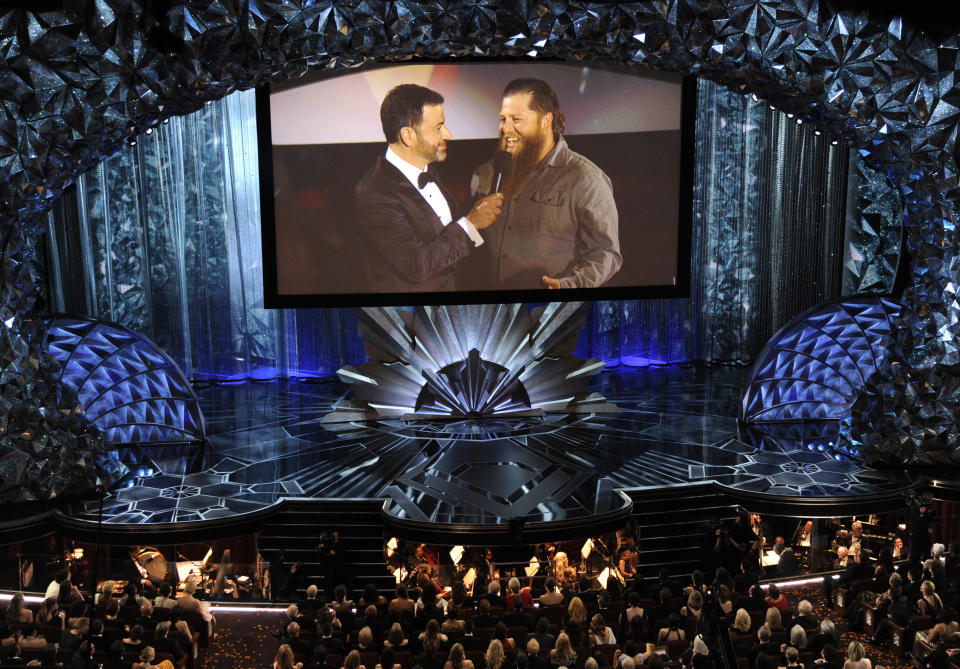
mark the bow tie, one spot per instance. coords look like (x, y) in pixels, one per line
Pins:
(424, 178)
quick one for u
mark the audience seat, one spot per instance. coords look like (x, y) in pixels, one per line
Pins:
(902, 637)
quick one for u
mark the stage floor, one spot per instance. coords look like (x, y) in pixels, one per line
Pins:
(677, 425)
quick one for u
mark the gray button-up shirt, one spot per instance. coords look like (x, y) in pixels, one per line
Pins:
(562, 223)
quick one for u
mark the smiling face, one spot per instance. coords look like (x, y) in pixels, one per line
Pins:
(521, 126)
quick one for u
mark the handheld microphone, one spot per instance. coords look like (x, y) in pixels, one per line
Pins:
(501, 163)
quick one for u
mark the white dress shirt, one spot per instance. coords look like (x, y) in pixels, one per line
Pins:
(431, 193)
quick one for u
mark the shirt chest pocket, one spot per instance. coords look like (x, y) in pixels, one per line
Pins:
(551, 211)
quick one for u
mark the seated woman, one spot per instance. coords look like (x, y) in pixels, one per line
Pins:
(600, 633)
(164, 600)
(856, 657)
(457, 659)
(798, 639)
(17, 613)
(942, 630)
(351, 661)
(395, 638)
(104, 592)
(187, 602)
(724, 598)
(133, 642)
(776, 599)
(49, 613)
(576, 612)
(929, 604)
(495, 657)
(500, 634)
(694, 607)
(111, 617)
(365, 640)
(562, 654)
(148, 654)
(672, 632)
(31, 638)
(453, 624)
(431, 639)
(634, 609)
(741, 629)
(130, 596)
(792, 656)
(773, 619)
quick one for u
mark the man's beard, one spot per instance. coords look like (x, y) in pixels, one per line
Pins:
(524, 161)
(432, 153)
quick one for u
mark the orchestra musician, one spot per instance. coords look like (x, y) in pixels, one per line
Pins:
(898, 551)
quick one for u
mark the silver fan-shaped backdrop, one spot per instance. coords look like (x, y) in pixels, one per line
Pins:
(451, 362)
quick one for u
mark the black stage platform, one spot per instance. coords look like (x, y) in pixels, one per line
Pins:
(677, 426)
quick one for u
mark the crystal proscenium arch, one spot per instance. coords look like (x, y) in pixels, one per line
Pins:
(86, 82)
(815, 367)
(127, 387)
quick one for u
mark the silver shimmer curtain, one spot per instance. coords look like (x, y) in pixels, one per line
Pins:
(164, 238)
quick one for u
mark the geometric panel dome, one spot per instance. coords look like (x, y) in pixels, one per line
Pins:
(816, 365)
(127, 387)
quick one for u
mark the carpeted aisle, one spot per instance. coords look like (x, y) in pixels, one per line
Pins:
(243, 641)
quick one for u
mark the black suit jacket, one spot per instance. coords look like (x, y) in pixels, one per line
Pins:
(473, 643)
(408, 248)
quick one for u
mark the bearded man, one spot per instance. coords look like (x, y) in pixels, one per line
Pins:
(558, 228)
(405, 218)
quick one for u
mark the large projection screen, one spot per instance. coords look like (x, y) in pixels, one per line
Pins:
(319, 137)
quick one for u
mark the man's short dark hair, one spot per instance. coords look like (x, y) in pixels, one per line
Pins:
(403, 107)
(542, 100)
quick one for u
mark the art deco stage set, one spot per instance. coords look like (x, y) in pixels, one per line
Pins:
(149, 398)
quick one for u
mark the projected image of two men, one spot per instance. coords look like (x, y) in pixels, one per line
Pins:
(446, 178)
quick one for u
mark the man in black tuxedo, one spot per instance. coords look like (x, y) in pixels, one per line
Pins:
(468, 640)
(334, 645)
(406, 220)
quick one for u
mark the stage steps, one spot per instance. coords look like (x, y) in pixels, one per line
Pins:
(672, 522)
(296, 529)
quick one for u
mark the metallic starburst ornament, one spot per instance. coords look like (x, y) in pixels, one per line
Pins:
(455, 362)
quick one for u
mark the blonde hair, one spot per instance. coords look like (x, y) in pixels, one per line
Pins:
(352, 661)
(695, 601)
(189, 587)
(284, 657)
(928, 587)
(792, 655)
(855, 651)
(494, 655)
(457, 656)
(577, 611)
(562, 648)
(106, 590)
(599, 627)
(742, 621)
(148, 653)
(365, 636)
(773, 619)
